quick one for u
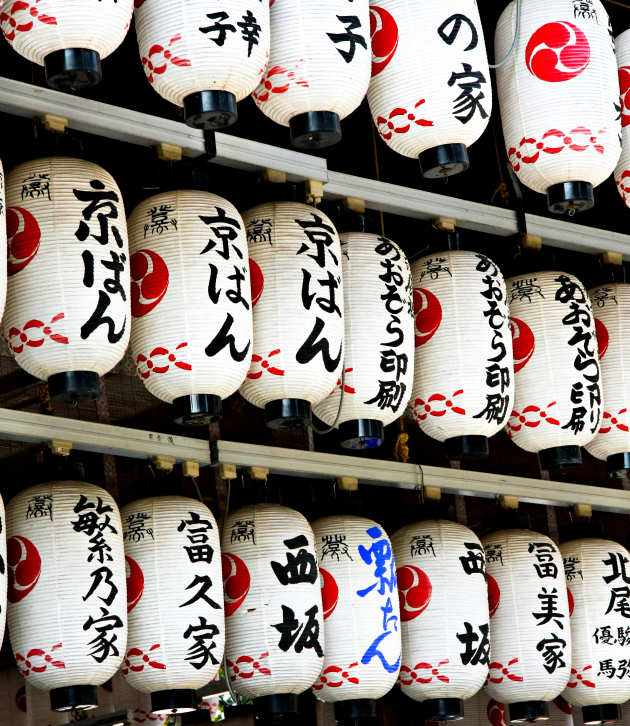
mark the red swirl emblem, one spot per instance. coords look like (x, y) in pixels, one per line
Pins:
(571, 601)
(330, 592)
(624, 97)
(557, 52)
(414, 591)
(236, 582)
(384, 35)
(495, 712)
(25, 567)
(494, 594)
(428, 314)
(135, 582)
(24, 236)
(603, 337)
(523, 343)
(149, 281)
(257, 281)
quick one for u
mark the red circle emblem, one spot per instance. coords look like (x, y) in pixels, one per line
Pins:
(414, 591)
(23, 236)
(571, 601)
(149, 281)
(25, 567)
(624, 98)
(257, 280)
(494, 594)
(603, 338)
(523, 343)
(496, 713)
(557, 52)
(384, 35)
(330, 592)
(428, 314)
(135, 583)
(236, 582)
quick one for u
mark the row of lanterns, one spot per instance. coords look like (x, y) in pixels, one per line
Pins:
(561, 94)
(274, 304)
(336, 607)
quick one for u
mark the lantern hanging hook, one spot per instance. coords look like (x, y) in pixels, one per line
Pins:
(517, 28)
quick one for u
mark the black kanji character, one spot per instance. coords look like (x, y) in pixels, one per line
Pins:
(449, 30)
(205, 583)
(250, 30)
(200, 652)
(219, 27)
(100, 201)
(313, 345)
(299, 635)
(103, 644)
(102, 575)
(474, 654)
(301, 567)
(474, 563)
(350, 22)
(551, 649)
(466, 104)
(224, 337)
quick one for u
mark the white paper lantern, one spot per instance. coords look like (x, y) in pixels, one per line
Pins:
(68, 37)
(481, 710)
(297, 299)
(444, 614)
(273, 604)
(12, 697)
(176, 623)
(68, 312)
(433, 111)
(378, 357)
(530, 633)
(622, 170)
(65, 547)
(597, 579)
(190, 300)
(319, 68)
(361, 611)
(3, 243)
(463, 382)
(137, 704)
(557, 391)
(38, 711)
(201, 57)
(559, 98)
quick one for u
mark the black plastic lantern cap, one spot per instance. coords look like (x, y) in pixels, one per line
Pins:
(466, 447)
(355, 712)
(442, 161)
(288, 413)
(210, 110)
(178, 700)
(529, 711)
(361, 433)
(315, 130)
(73, 69)
(74, 698)
(74, 386)
(276, 708)
(619, 464)
(559, 457)
(197, 409)
(601, 714)
(443, 709)
(571, 197)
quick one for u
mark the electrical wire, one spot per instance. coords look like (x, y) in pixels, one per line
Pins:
(514, 39)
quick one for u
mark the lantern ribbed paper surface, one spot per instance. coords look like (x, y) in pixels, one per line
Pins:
(139, 704)
(433, 110)
(622, 170)
(558, 93)
(189, 48)
(557, 396)
(190, 296)
(13, 697)
(319, 62)
(3, 243)
(611, 308)
(38, 712)
(363, 649)
(297, 297)
(530, 633)
(444, 611)
(65, 547)
(596, 576)
(176, 623)
(378, 357)
(273, 602)
(463, 381)
(68, 291)
(481, 710)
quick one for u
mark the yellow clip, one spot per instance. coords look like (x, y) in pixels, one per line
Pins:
(531, 242)
(169, 152)
(50, 122)
(164, 463)
(508, 501)
(314, 191)
(445, 224)
(273, 176)
(347, 483)
(612, 258)
(582, 511)
(433, 494)
(354, 204)
(190, 468)
(258, 472)
(227, 471)
(60, 448)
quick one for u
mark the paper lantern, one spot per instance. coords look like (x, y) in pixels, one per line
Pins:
(137, 704)
(68, 37)
(622, 170)
(444, 614)
(68, 312)
(319, 68)
(203, 58)
(3, 243)
(597, 580)
(361, 612)
(297, 300)
(378, 346)
(67, 616)
(530, 633)
(433, 111)
(463, 382)
(557, 390)
(481, 710)
(273, 604)
(192, 322)
(38, 711)
(13, 697)
(559, 99)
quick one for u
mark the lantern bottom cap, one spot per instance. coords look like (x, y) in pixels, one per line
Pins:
(619, 464)
(276, 707)
(571, 197)
(74, 698)
(601, 714)
(210, 110)
(73, 69)
(315, 129)
(559, 457)
(74, 386)
(355, 711)
(466, 447)
(177, 700)
(529, 711)
(361, 433)
(288, 413)
(442, 161)
(197, 409)
(442, 709)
